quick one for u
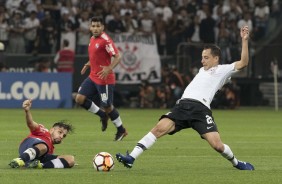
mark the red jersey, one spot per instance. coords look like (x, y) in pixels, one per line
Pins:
(42, 133)
(65, 61)
(100, 50)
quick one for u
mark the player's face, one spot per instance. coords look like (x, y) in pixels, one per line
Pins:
(58, 134)
(208, 60)
(96, 28)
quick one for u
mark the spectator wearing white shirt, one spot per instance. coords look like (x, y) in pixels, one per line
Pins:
(147, 24)
(31, 25)
(130, 25)
(83, 33)
(4, 30)
(164, 9)
(16, 34)
(261, 19)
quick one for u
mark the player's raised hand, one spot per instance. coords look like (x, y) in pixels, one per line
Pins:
(27, 104)
(245, 32)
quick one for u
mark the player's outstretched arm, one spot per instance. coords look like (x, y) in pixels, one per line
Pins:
(244, 32)
(32, 125)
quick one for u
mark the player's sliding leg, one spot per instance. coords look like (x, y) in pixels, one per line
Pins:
(28, 155)
(66, 161)
(145, 143)
(228, 154)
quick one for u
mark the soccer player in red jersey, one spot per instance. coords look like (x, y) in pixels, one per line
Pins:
(103, 58)
(36, 150)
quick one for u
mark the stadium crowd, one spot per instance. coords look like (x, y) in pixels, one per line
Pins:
(41, 26)
(28, 26)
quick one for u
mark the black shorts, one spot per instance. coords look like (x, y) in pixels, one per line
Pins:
(191, 114)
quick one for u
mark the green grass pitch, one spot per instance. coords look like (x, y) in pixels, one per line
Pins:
(254, 135)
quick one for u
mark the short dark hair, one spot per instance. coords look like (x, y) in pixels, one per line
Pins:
(215, 50)
(66, 43)
(98, 19)
(64, 124)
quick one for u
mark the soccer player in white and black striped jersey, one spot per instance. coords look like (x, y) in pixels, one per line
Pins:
(193, 109)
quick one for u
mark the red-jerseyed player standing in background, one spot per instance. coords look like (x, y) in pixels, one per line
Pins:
(103, 58)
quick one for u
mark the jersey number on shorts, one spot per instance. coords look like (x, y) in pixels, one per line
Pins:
(209, 119)
(104, 97)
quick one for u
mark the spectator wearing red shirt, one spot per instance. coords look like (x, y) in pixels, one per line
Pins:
(103, 58)
(65, 58)
(36, 150)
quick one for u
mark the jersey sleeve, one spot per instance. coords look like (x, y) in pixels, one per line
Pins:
(111, 48)
(39, 130)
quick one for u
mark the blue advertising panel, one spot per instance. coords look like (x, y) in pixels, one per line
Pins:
(47, 90)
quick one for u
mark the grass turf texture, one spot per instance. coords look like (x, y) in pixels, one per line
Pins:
(254, 135)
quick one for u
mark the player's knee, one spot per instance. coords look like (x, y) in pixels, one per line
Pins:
(67, 160)
(42, 149)
(79, 99)
(70, 160)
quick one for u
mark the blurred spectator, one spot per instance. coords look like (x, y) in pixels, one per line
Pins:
(145, 4)
(65, 58)
(161, 97)
(127, 6)
(40, 64)
(47, 36)
(83, 34)
(223, 41)
(115, 25)
(146, 23)
(235, 11)
(16, 36)
(261, 19)
(203, 11)
(31, 25)
(175, 30)
(192, 32)
(110, 15)
(52, 6)
(160, 30)
(130, 25)
(164, 9)
(67, 29)
(3, 67)
(13, 5)
(192, 7)
(184, 16)
(4, 30)
(146, 95)
(226, 98)
(176, 83)
(32, 5)
(275, 8)
(207, 26)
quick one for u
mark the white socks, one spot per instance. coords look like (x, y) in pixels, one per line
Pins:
(57, 163)
(227, 153)
(31, 152)
(94, 108)
(147, 141)
(117, 122)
